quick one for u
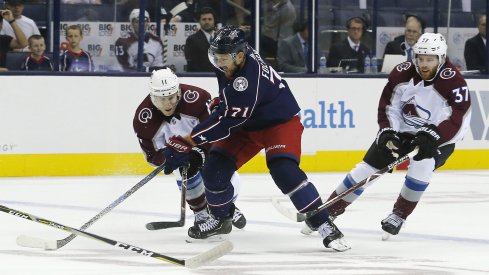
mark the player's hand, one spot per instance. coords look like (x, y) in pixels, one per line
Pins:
(388, 141)
(427, 140)
(196, 160)
(214, 104)
(177, 153)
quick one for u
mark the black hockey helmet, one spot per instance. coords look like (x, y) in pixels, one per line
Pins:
(228, 39)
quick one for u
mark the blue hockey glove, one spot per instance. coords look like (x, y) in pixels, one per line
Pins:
(426, 139)
(388, 141)
(177, 153)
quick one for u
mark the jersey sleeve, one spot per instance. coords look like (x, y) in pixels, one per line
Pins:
(454, 89)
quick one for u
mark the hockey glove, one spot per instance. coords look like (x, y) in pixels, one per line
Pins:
(177, 153)
(196, 161)
(388, 141)
(426, 139)
(214, 104)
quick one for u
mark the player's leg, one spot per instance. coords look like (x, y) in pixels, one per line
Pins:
(417, 180)
(373, 161)
(224, 159)
(239, 220)
(283, 150)
(195, 195)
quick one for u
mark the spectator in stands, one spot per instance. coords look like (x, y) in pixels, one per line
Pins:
(279, 17)
(36, 60)
(197, 44)
(27, 25)
(475, 48)
(350, 52)
(74, 58)
(293, 51)
(126, 47)
(403, 44)
(8, 42)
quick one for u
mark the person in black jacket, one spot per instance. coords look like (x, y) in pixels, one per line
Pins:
(197, 44)
(403, 44)
(475, 48)
(350, 52)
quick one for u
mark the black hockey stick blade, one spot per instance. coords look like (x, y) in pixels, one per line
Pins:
(164, 225)
(193, 262)
(183, 205)
(34, 242)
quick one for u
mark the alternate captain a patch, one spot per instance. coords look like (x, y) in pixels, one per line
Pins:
(240, 84)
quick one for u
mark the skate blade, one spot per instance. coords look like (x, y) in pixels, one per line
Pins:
(386, 236)
(211, 239)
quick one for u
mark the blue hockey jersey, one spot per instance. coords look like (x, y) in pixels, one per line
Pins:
(256, 98)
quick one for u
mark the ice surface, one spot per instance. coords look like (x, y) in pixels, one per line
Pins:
(448, 233)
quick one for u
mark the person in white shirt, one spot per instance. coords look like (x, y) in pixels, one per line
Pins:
(27, 25)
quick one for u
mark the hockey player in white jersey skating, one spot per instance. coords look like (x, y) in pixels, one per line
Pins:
(425, 104)
(173, 109)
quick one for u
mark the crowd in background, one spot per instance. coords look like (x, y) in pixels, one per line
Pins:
(345, 36)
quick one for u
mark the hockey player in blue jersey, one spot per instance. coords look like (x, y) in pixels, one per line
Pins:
(256, 111)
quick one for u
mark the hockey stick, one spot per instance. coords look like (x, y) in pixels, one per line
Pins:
(299, 217)
(34, 242)
(183, 202)
(193, 262)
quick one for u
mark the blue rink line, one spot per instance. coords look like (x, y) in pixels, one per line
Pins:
(273, 224)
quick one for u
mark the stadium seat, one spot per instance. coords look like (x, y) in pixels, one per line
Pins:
(415, 5)
(390, 19)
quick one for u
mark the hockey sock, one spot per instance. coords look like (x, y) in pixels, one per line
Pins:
(409, 197)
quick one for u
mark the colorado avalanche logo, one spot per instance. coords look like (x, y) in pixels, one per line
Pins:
(413, 114)
(240, 84)
(190, 96)
(447, 73)
(404, 66)
(145, 115)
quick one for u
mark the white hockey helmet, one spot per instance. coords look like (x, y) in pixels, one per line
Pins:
(135, 15)
(163, 82)
(431, 44)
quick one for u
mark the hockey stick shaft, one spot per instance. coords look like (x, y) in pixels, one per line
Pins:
(183, 205)
(63, 242)
(303, 216)
(193, 262)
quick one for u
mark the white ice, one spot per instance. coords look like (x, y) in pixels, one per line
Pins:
(448, 233)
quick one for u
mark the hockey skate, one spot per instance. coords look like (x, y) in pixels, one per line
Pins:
(200, 216)
(391, 225)
(332, 237)
(210, 227)
(307, 229)
(239, 220)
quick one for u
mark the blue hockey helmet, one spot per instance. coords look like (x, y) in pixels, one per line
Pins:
(227, 40)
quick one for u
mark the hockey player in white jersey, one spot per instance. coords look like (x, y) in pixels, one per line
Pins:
(425, 104)
(171, 109)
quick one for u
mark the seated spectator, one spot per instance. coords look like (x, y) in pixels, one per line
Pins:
(8, 42)
(279, 17)
(126, 47)
(27, 25)
(403, 44)
(74, 58)
(36, 60)
(293, 51)
(475, 48)
(350, 51)
(197, 44)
